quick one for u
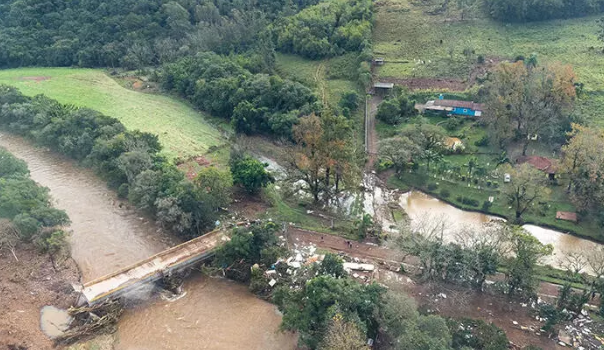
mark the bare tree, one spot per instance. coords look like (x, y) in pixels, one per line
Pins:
(595, 261)
(9, 237)
(574, 262)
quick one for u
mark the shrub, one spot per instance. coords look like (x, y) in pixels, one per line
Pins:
(445, 193)
(480, 59)
(484, 141)
(486, 205)
(250, 173)
(51, 241)
(432, 186)
(452, 123)
(122, 191)
(468, 201)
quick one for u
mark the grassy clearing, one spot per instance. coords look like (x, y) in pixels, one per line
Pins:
(182, 131)
(320, 74)
(406, 34)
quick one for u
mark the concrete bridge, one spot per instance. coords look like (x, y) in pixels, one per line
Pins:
(153, 268)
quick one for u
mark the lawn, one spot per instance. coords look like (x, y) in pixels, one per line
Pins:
(428, 46)
(182, 131)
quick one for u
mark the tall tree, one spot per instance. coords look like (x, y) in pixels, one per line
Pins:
(525, 101)
(323, 153)
(527, 252)
(401, 151)
(343, 335)
(527, 188)
(583, 161)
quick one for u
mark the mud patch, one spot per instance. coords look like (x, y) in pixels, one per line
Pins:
(54, 321)
(37, 79)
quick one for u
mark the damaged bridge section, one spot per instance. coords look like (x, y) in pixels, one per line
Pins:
(153, 268)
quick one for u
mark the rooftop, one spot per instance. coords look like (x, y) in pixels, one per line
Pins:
(567, 216)
(459, 104)
(383, 85)
(542, 163)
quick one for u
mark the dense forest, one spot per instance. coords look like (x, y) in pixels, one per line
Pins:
(28, 207)
(253, 102)
(128, 160)
(537, 10)
(138, 33)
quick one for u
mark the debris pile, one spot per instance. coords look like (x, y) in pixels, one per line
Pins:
(91, 320)
(582, 333)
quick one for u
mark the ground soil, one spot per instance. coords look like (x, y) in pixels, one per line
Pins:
(246, 205)
(26, 286)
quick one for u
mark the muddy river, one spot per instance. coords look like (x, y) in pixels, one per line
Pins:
(421, 206)
(106, 236)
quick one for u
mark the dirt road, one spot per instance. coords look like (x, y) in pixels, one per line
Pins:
(372, 137)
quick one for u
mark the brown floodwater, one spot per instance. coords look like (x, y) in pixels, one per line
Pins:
(422, 207)
(54, 321)
(214, 314)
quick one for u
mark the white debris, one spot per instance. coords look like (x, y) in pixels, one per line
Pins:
(358, 267)
(272, 283)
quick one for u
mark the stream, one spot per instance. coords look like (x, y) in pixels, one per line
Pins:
(107, 236)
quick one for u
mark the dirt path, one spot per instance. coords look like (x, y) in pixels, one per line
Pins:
(372, 137)
(320, 80)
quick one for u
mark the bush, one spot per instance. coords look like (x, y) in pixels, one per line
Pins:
(122, 191)
(468, 201)
(51, 241)
(484, 141)
(486, 205)
(250, 173)
(480, 59)
(445, 193)
(432, 186)
(452, 123)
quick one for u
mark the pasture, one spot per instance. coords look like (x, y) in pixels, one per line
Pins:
(182, 131)
(422, 45)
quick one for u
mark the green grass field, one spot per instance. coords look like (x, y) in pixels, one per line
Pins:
(406, 34)
(316, 74)
(182, 131)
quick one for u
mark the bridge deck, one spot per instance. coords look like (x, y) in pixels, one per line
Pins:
(153, 268)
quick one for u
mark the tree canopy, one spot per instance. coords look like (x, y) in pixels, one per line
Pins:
(526, 101)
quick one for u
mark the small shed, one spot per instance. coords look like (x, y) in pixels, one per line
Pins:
(382, 88)
(379, 61)
(566, 216)
(544, 164)
(456, 107)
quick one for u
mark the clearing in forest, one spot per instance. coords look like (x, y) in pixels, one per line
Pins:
(419, 45)
(182, 131)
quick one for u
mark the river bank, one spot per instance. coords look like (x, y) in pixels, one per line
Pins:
(32, 282)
